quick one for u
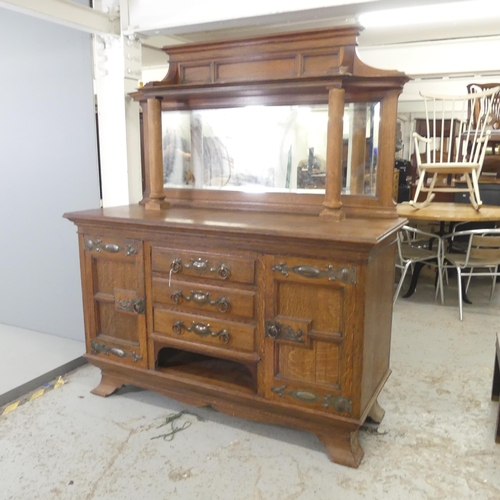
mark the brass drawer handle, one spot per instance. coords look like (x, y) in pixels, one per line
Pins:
(339, 403)
(200, 298)
(346, 275)
(201, 266)
(202, 330)
(97, 245)
(98, 348)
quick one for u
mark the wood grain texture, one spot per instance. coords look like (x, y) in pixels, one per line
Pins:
(323, 283)
(241, 302)
(342, 360)
(114, 266)
(310, 67)
(241, 335)
(449, 212)
(107, 386)
(217, 267)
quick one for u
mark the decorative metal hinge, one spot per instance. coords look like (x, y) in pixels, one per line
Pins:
(275, 330)
(98, 348)
(201, 266)
(98, 246)
(136, 306)
(202, 330)
(339, 403)
(346, 275)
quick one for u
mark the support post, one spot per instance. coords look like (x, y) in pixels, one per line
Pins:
(332, 203)
(154, 156)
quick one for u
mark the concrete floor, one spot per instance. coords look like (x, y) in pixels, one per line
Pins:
(29, 359)
(436, 441)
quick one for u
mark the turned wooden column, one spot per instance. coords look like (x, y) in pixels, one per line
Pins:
(153, 156)
(332, 203)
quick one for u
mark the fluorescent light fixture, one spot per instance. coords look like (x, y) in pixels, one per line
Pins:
(432, 14)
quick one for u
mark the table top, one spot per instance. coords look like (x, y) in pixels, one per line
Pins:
(449, 212)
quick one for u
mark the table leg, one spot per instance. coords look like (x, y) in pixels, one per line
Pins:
(414, 279)
(464, 293)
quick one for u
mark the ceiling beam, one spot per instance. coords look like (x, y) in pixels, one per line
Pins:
(68, 14)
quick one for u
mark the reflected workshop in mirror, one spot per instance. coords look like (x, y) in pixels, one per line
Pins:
(256, 275)
(404, 183)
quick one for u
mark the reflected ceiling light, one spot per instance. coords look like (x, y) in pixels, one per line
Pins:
(432, 14)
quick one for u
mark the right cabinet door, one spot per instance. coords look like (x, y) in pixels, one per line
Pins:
(310, 327)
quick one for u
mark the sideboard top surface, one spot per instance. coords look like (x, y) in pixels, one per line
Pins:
(358, 231)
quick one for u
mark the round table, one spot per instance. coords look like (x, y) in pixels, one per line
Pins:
(449, 212)
(442, 213)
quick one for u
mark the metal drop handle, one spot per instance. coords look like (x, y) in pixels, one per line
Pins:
(202, 330)
(201, 266)
(223, 304)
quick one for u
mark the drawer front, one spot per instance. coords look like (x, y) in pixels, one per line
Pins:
(202, 330)
(203, 265)
(226, 301)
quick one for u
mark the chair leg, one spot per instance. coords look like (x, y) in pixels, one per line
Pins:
(440, 285)
(476, 191)
(420, 183)
(417, 193)
(494, 270)
(400, 284)
(460, 304)
(430, 194)
(472, 193)
(468, 280)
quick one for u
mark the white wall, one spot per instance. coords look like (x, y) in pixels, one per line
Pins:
(151, 14)
(48, 166)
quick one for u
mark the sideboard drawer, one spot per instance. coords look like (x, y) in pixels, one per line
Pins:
(205, 265)
(226, 301)
(199, 329)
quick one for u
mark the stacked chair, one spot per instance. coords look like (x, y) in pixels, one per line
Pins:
(458, 130)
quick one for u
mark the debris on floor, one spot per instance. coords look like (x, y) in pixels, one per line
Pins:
(170, 419)
(32, 395)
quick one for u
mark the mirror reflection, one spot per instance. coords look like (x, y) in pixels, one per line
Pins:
(360, 148)
(267, 148)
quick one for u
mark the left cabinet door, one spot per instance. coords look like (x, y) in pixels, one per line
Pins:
(114, 299)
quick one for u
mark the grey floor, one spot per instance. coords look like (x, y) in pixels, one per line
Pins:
(436, 441)
(28, 359)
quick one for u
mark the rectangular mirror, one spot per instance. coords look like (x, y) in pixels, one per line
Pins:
(360, 148)
(267, 148)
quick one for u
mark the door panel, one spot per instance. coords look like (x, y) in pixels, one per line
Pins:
(114, 296)
(308, 308)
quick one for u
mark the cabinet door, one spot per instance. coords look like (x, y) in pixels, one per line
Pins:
(113, 283)
(309, 333)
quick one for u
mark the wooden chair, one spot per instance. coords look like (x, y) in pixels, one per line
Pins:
(414, 247)
(481, 257)
(493, 119)
(461, 150)
(491, 164)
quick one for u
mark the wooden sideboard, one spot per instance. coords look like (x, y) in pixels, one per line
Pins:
(272, 317)
(273, 306)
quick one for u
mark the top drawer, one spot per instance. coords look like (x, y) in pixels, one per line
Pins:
(203, 265)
